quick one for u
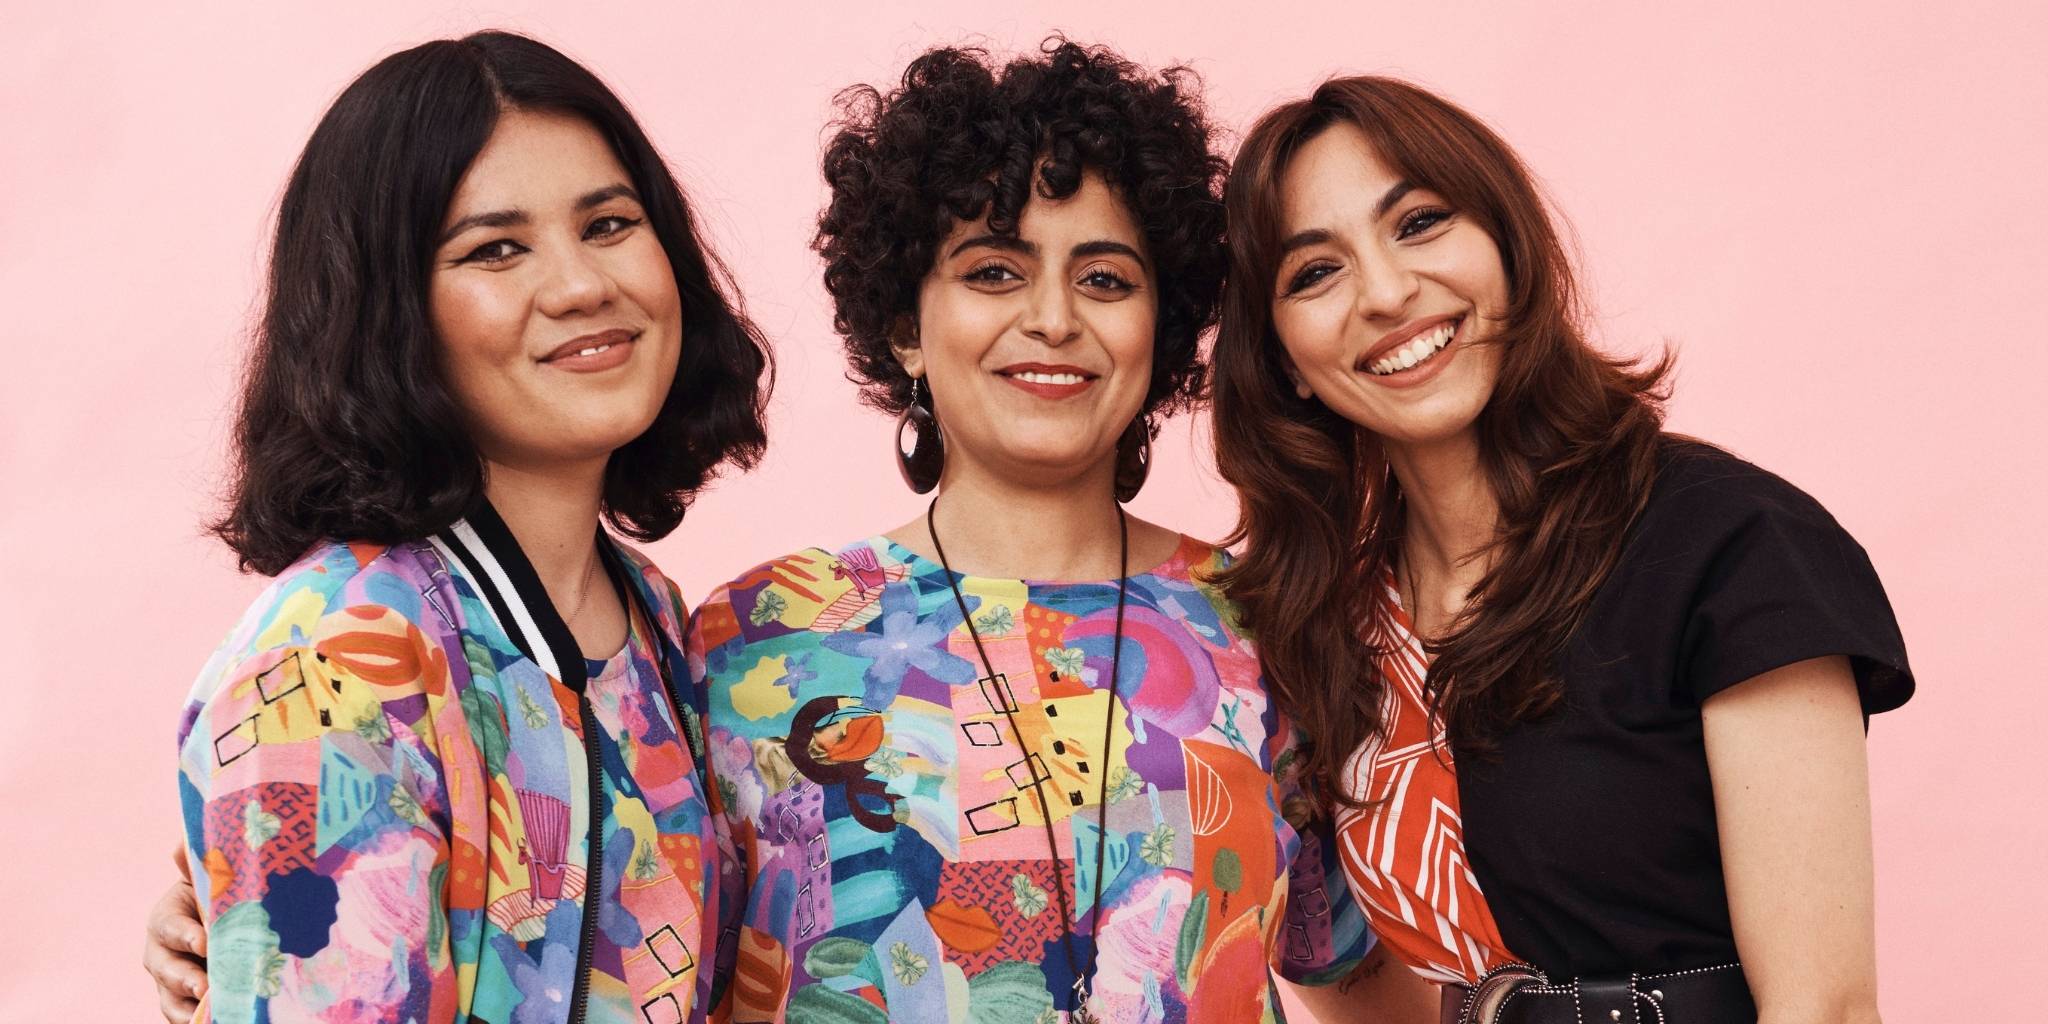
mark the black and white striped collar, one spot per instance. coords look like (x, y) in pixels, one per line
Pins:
(484, 547)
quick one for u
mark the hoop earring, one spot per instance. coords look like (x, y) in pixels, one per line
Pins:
(1133, 459)
(921, 463)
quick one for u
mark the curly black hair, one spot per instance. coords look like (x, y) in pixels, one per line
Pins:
(961, 138)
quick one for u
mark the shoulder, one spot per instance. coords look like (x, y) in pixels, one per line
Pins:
(791, 592)
(664, 598)
(365, 621)
(1698, 481)
(368, 580)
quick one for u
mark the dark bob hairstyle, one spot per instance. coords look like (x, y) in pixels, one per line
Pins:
(346, 429)
(961, 138)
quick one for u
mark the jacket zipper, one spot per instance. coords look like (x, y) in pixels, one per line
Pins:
(593, 884)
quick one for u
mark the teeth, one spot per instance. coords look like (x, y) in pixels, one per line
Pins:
(1051, 378)
(592, 351)
(1415, 351)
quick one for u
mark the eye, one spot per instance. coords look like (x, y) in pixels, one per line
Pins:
(604, 227)
(1309, 276)
(496, 251)
(1108, 280)
(991, 273)
(1418, 221)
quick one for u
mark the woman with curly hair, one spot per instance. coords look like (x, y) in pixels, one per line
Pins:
(1633, 669)
(441, 769)
(1013, 759)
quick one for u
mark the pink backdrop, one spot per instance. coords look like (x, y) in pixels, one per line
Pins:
(1835, 211)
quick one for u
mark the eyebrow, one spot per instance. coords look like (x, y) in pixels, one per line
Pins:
(1008, 243)
(516, 217)
(1317, 236)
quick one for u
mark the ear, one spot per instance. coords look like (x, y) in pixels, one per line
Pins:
(1301, 388)
(903, 344)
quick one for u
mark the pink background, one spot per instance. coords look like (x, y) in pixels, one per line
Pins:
(1835, 211)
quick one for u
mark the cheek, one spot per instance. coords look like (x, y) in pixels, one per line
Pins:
(1312, 334)
(645, 274)
(478, 323)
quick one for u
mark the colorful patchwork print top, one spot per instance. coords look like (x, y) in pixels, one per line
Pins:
(389, 798)
(888, 827)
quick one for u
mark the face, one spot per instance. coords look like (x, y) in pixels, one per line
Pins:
(1385, 295)
(1038, 348)
(551, 298)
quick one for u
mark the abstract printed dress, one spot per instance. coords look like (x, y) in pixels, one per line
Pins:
(389, 797)
(888, 829)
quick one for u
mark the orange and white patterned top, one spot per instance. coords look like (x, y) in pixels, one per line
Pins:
(1404, 853)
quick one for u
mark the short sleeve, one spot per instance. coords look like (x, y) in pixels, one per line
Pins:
(1324, 935)
(1785, 583)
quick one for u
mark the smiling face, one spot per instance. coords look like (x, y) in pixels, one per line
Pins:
(551, 298)
(1385, 297)
(1037, 347)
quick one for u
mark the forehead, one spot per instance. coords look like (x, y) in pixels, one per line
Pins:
(536, 159)
(1336, 176)
(1094, 212)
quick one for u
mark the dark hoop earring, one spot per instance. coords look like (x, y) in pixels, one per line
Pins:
(1133, 459)
(920, 464)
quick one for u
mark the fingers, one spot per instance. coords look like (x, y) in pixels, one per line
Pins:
(184, 865)
(173, 941)
(176, 1010)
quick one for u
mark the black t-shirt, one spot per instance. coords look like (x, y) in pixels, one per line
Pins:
(1592, 833)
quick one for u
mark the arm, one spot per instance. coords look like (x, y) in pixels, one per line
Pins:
(1380, 990)
(1792, 794)
(313, 817)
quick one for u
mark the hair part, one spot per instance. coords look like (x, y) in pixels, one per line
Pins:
(1568, 443)
(346, 429)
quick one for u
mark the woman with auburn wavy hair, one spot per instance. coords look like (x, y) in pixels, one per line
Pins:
(1632, 669)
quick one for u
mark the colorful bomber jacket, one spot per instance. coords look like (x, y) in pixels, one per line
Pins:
(893, 805)
(392, 812)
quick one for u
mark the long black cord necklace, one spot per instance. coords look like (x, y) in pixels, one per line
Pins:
(1008, 707)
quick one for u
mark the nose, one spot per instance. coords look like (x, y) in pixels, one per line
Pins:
(1386, 287)
(576, 283)
(1050, 317)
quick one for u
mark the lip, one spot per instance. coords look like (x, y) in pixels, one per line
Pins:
(1009, 374)
(617, 344)
(1420, 373)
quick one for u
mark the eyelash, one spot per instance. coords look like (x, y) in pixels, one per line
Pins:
(1413, 223)
(994, 273)
(478, 254)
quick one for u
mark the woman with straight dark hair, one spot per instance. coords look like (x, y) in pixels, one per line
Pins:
(443, 769)
(1587, 699)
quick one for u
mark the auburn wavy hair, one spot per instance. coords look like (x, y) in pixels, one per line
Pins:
(1568, 441)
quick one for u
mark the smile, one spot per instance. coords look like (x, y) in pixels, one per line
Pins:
(1417, 351)
(1047, 381)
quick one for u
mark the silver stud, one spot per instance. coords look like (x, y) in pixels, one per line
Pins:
(1615, 1014)
(1657, 994)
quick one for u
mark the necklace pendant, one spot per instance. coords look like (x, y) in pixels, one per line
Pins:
(1082, 1014)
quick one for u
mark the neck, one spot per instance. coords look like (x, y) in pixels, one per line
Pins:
(1451, 513)
(995, 525)
(553, 515)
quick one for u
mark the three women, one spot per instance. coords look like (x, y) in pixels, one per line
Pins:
(1465, 534)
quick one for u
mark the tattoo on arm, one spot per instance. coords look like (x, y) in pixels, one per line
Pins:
(1370, 967)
